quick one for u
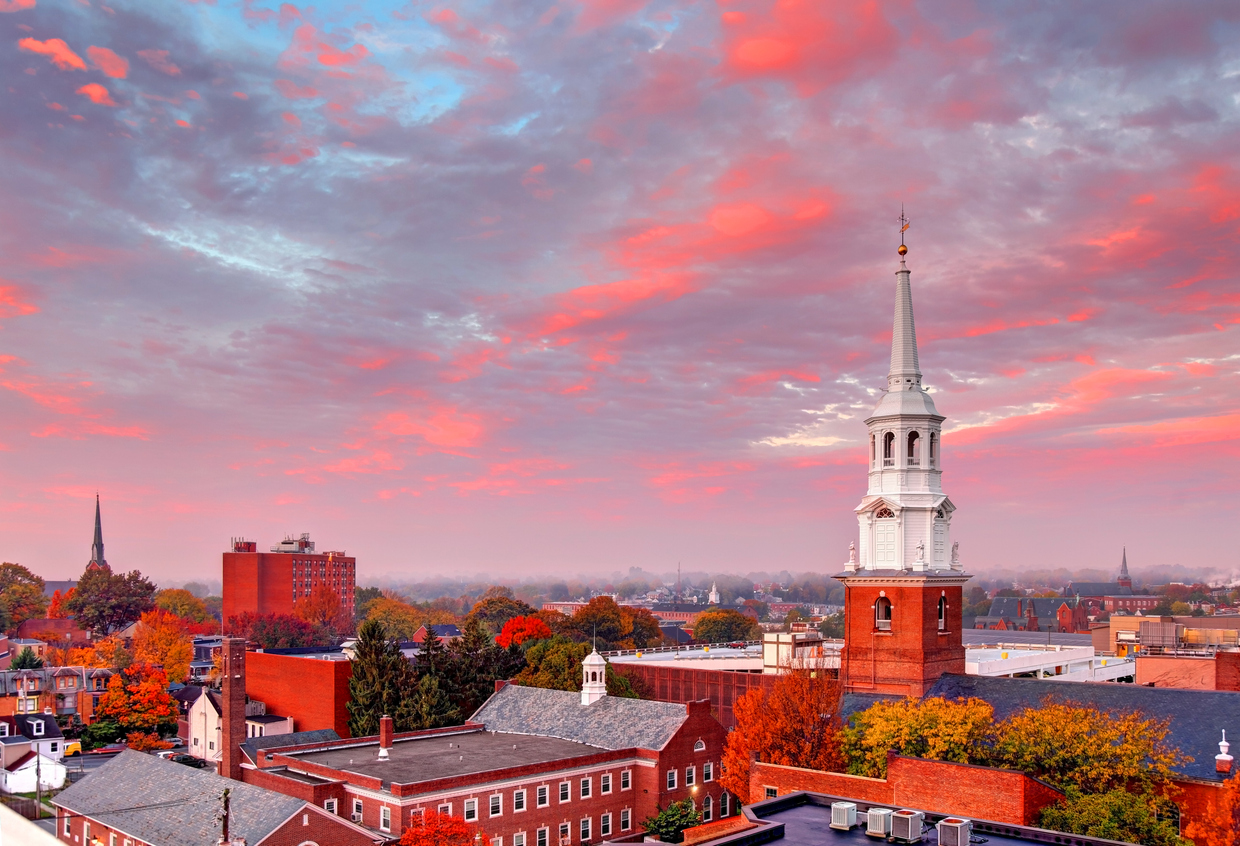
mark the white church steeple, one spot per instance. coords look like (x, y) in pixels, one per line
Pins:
(905, 519)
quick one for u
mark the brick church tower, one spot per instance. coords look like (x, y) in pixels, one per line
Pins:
(232, 720)
(903, 586)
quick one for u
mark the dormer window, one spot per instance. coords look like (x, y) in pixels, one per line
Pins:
(4, 729)
(36, 728)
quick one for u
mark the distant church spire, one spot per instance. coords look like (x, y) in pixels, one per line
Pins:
(1124, 579)
(97, 561)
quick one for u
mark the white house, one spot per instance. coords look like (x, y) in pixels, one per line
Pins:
(20, 776)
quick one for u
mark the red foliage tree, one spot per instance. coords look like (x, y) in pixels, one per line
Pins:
(520, 629)
(138, 700)
(436, 829)
(56, 610)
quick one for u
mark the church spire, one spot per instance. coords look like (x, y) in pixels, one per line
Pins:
(97, 561)
(905, 373)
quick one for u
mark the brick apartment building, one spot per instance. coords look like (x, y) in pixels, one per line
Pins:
(271, 582)
(532, 767)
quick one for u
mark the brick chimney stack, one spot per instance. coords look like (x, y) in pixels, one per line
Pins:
(386, 729)
(233, 651)
(1222, 761)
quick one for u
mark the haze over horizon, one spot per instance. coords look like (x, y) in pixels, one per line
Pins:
(578, 285)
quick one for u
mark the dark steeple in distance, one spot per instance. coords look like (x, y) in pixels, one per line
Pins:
(1124, 579)
(97, 561)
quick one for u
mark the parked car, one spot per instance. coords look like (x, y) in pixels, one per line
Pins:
(110, 749)
(188, 760)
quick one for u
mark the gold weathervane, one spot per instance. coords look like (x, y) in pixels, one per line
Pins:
(904, 224)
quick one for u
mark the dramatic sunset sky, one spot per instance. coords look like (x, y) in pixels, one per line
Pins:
(532, 286)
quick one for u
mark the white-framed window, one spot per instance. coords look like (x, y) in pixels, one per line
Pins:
(626, 819)
(565, 789)
(707, 809)
(541, 796)
(708, 771)
(626, 780)
(604, 783)
(540, 838)
(112, 839)
(604, 825)
(518, 839)
(329, 805)
(671, 779)
(723, 804)
(566, 834)
(68, 828)
(497, 841)
(86, 832)
(357, 807)
(585, 829)
(53, 746)
(690, 776)
(587, 784)
(211, 745)
(385, 818)
(497, 804)
(36, 728)
(416, 816)
(4, 729)
(518, 801)
(471, 810)
(445, 808)
(700, 746)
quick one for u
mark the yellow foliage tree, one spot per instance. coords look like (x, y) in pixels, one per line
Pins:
(161, 640)
(942, 729)
(182, 603)
(399, 619)
(322, 608)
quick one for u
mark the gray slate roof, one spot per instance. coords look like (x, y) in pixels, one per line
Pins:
(1096, 589)
(610, 723)
(1198, 717)
(172, 804)
(252, 745)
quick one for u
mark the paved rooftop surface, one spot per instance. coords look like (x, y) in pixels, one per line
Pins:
(446, 756)
(982, 637)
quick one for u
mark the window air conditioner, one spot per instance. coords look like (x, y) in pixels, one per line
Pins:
(906, 826)
(954, 831)
(878, 822)
(356, 817)
(843, 815)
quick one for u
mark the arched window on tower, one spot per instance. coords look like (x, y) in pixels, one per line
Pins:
(889, 449)
(882, 614)
(914, 449)
(934, 443)
(942, 613)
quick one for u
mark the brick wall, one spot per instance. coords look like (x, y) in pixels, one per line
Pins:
(1202, 816)
(689, 684)
(311, 691)
(941, 787)
(1227, 671)
(1183, 671)
(319, 828)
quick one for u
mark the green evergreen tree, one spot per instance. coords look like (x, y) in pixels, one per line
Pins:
(475, 662)
(382, 679)
(427, 707)
(26, 660)
(670, 823)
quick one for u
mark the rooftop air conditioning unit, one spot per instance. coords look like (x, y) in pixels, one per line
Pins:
(356, 817)
(954, 831)
(906, 826)
(843, 815)
(878, 822)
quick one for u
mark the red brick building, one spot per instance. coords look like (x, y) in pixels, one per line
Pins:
(313, 691)
(271, 582)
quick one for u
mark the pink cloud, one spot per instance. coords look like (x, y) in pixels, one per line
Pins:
(293, 91)
(107, 61)
(56, 50)
(158, 59)
(97, 94)
(16, 5)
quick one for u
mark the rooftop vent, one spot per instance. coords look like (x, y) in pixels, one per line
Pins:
(954, 831)
(878, 822)
(843, 815)
(906, 826)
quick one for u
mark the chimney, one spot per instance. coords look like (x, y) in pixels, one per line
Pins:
(233, 649)
(386, 729)
(1222, 761)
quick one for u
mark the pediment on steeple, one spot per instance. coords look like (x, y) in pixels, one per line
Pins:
(875, 504)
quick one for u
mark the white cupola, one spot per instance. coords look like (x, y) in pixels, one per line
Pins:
(593, 678)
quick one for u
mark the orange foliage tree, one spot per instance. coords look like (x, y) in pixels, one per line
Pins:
(520, 629)
(161, 640)
(141, 741)
(137, 699)
(56, 609)
(322, 608)
(795, 723)
(436, 829)
(1219, 824)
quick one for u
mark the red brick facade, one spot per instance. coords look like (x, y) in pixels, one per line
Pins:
(312, 691)
(1220, 671)
(619, 810)
(983, 793)
(270, 582)
(907, 657)
(690, 684)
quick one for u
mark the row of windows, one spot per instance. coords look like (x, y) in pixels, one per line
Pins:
(883, 610)
(913, 452)
(112, 838)
(585, 828)
(708, 774)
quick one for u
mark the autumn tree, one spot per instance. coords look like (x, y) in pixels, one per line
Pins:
(106, 602)
(56, 609)
(322, 609)
(142, 741)
(431, 828)
(495, 611)
(1221, 820)
(725, 626)
(795, 723)
(518, 630)
(276, 631)
(938, 728)
(643, 627)
(601, 619)
(21, 592)
(182, 603)
(399, 619)
(556, 664)
(381, 680)
(161, 640)
(137, 700)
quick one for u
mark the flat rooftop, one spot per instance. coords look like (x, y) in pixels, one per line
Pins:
(985, 637)
(425, 759)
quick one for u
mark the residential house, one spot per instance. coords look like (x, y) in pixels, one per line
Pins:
(31, 772)
(63, 690)
(447, 633)
(41, 730)
(142, 799)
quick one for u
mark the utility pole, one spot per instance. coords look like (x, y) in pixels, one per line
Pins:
(38, 782)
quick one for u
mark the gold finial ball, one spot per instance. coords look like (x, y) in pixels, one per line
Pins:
(903, 250)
